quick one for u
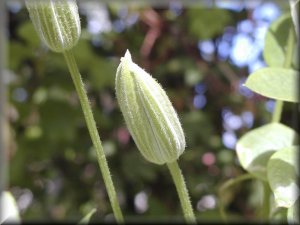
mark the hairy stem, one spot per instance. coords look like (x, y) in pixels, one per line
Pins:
(90, 121)
(182, 192)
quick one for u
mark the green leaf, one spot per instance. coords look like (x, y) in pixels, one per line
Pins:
(276, 83)
(283, 174)
(293, 213)
(256, 147)
(276, 41)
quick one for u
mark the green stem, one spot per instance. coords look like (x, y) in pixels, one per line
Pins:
(277, 111)
(235, 181)
(287, 63)
(182, 192)
(226, 185)
(90, 121)
(266, 201)
(223, 214)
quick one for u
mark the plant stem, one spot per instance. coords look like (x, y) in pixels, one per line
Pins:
(222, 212)
(287, 63)
(277, 111)
(276, 119)
(235, 181)
(226, 185)
(90, 121)
(182, 192)
(266, 201)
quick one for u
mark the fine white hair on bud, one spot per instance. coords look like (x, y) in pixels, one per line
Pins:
(56, 22)
(149, 114)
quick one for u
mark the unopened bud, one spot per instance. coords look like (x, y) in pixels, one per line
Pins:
(56, 22)
(149, 114)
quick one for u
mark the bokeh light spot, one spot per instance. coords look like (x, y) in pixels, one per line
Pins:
(208, 158)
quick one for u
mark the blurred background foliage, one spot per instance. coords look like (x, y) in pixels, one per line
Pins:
(201, 54)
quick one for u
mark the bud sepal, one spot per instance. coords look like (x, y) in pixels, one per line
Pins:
(57, 22)
(149, 114)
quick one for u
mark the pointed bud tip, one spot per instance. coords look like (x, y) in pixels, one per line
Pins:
(127, 56)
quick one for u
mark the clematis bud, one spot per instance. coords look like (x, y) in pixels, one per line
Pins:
(56, 22)
(149, 114)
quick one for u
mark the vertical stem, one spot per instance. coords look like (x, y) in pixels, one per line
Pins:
(3, 120)
(226, 185)
(287, 63)
(182, 192)
(90, 121)
(222, 211)
(277, 111)
(266, 201)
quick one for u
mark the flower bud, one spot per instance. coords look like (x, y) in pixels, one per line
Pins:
(56, 22)
(149, 114)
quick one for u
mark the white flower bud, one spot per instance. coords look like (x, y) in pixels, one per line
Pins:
(56, 22)
(149, 114)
